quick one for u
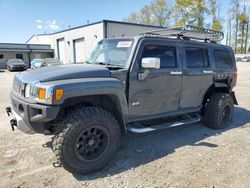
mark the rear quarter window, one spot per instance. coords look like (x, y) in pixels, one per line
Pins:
(222, 59)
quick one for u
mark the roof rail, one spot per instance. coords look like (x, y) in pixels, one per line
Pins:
(188, 32)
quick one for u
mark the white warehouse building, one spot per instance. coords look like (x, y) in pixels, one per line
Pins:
(75, 44)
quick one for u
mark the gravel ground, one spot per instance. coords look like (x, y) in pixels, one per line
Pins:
(190, 156)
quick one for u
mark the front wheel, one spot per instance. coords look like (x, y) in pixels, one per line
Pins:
(87, 140)
(219, 111)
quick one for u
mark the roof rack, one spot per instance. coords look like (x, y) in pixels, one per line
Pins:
(188, 32)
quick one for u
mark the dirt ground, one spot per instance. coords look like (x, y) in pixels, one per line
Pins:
(190, 156)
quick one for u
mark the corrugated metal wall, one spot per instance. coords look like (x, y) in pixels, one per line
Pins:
(115, 30)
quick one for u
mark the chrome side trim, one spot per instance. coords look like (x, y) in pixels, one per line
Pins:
(208, 72)
(176, 72)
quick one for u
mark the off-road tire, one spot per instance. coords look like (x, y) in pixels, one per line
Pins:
(215, 108)
(72, 126)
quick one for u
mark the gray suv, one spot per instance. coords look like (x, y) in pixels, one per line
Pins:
(154, 81)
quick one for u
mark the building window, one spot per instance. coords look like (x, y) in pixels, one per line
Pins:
(38, 56)
(1, 56)
(19, 56)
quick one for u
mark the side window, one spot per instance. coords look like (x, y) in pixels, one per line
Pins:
(196, 57)
(222, 59)
(167, 54)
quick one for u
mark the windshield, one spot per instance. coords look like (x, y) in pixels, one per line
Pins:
(16, 61)
(112, 52)
(39, 61)
(51, 61)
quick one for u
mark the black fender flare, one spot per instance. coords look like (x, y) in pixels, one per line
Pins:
(74, 88)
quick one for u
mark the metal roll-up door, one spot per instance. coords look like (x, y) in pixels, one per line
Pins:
(61, 50)
(79, 50)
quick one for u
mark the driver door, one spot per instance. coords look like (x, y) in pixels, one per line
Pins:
(159, 92)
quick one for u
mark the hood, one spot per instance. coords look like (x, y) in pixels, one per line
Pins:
(71, 71)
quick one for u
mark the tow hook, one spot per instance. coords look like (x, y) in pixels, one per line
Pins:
(13, 124)
(8, 110)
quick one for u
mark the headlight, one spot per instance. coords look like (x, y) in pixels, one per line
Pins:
(27, 91)
(43, 93)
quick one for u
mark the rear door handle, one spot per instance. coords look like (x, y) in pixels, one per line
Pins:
(176, 72)
(208, 72)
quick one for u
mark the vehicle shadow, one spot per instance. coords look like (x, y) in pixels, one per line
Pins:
(2, 70)
(140, 149)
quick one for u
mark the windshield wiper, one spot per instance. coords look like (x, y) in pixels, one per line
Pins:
(107, 64)
(112, 65)
(101, 63)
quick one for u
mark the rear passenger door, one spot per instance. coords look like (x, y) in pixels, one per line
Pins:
(197, 75)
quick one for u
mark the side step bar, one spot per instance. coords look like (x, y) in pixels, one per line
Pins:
(187, 119)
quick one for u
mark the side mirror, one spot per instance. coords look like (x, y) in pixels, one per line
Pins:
(151, 63)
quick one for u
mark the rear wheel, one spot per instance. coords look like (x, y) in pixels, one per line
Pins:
(86, 140)
(219, 111)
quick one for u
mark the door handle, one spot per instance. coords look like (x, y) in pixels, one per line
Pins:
(208, 72)
(176, 72)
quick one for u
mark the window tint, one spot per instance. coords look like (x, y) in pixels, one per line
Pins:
(222, 59)
(166, 54)
(196, 57)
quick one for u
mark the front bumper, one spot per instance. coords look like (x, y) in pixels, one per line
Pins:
(31, 118)
(18, 121)
(13, 68)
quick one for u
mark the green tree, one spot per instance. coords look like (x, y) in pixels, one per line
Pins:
(216, 23)
(190, 12)
(133, 18)
(235, 10)
(243, 28)
(145, 16)
(156, 13)
(160, 10)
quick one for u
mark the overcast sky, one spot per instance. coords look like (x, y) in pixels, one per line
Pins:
(21, 19)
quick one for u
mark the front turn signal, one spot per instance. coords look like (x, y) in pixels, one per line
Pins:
(59, 94)
(41, 93)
